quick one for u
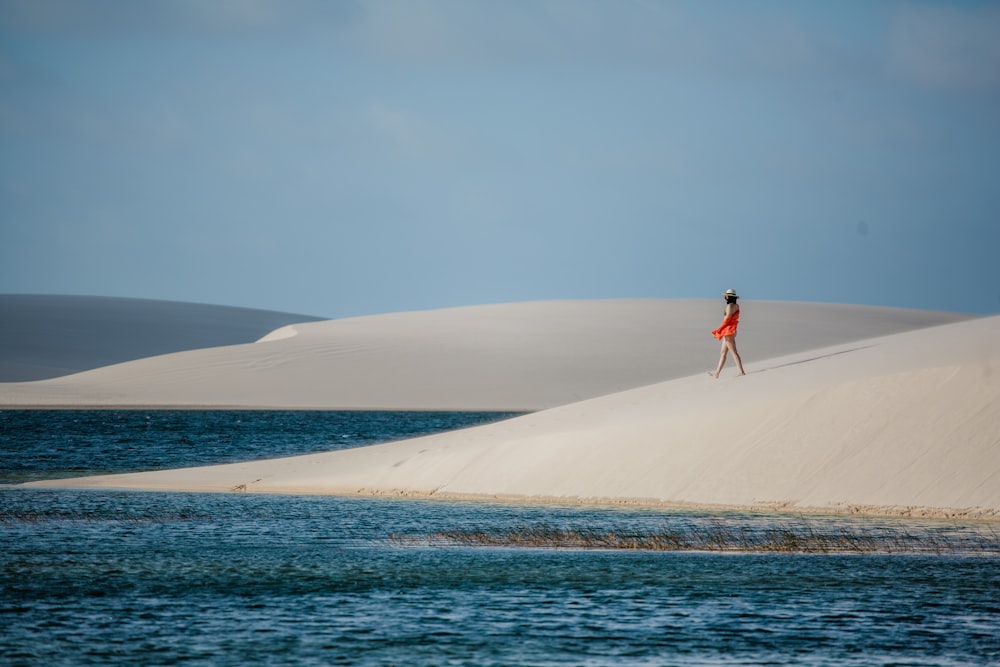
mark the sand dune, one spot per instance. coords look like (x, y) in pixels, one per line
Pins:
(907, 423)
(45, 336)
(519, 357)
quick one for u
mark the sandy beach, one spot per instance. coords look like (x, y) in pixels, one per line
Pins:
(905, 422)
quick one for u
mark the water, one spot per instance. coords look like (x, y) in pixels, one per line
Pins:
(109, 577)
(50, 444)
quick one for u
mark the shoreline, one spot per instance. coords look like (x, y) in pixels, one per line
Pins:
(159, 407)
(781, 508)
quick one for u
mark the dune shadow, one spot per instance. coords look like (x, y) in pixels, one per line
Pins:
(810, 359)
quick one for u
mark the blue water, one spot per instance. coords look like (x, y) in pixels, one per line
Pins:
(49, 444)
(139, 578)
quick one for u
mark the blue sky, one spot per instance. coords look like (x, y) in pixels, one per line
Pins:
(345, 158)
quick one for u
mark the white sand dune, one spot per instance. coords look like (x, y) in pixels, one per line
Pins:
(906, 423)
(520, 357)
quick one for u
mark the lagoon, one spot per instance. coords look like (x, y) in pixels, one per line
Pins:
(149, 578)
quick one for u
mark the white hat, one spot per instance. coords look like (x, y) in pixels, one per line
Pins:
(729, 292)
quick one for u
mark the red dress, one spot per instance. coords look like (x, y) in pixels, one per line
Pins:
(728, 326)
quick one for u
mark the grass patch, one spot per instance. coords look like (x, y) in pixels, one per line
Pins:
(799, 539)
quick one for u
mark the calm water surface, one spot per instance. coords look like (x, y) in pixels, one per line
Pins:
(138, 578)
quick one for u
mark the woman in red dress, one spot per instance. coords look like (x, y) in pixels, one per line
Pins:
(727, 332)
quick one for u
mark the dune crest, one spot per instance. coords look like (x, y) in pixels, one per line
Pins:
(279, 334)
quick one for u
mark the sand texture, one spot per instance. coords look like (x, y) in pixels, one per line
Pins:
(898, 423)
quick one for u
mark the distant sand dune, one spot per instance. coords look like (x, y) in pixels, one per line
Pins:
(523, 356)
(904, 423)
(47, 336)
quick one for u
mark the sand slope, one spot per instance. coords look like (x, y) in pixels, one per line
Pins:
(44, 336)
(907, 423)
(523, 356)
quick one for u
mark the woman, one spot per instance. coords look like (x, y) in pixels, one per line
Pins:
(727, 332)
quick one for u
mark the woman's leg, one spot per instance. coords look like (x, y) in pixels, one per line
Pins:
(731, 344)
(722, 357)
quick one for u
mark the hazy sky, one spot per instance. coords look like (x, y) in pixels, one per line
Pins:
(338, 158)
